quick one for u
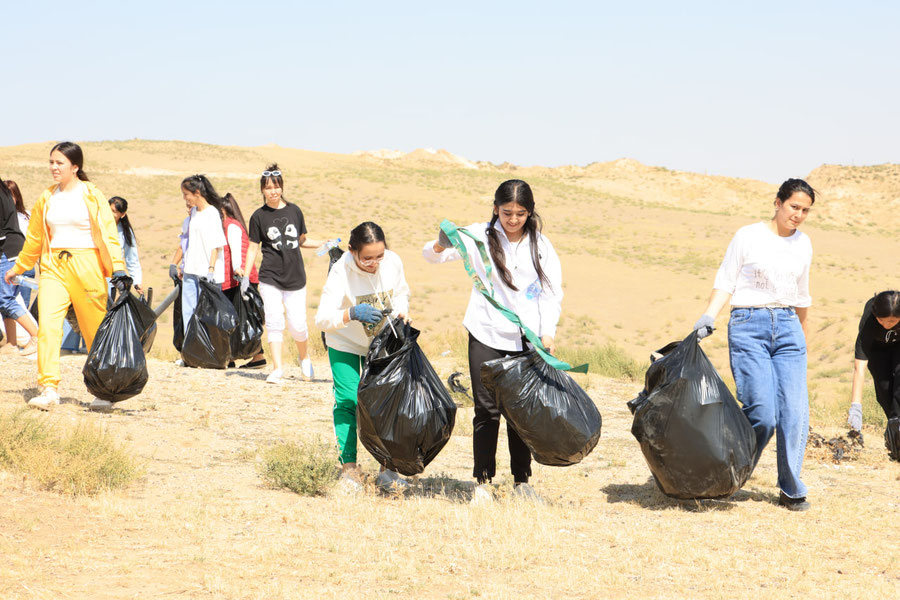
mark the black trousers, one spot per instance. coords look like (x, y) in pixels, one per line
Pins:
(487, 422)
(884, 365)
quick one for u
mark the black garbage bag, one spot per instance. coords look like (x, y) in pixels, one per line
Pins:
(694, 436)
(555, 418)
(892, 438)
(116, 367)
(246, 341)
(404, 413)
(177, 321)
(207, 341)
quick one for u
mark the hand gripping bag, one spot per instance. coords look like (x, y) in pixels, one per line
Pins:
(555, 418)
(404, 413)
(246, 341)
(207, 341)
(116, 367)
(694, 436)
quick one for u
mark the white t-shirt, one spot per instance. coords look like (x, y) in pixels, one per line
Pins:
(762, 268)
(205, 234)
(538, 305)
(68, 219)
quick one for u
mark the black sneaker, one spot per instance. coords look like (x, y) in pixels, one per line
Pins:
(254, 364)
(795, 504)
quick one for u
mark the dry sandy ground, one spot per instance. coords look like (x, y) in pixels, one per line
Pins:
(200, 523)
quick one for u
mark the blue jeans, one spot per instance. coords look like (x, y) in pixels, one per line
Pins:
(9, 308)
(190, 291)
(767, 349)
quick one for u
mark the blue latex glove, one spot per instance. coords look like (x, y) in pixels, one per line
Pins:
(704, 326)
(365, 313)
(245, 285)
(121, 281)
(854, 417)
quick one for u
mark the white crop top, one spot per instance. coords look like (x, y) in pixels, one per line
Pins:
(68, 219)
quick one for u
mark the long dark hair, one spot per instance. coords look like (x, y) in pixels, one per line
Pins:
(13, 188)
(792, 186)
(231, 208)
(72, 151)
(366, 233)
(121, 205)
(516, 190)
(887, 304)
(200, 184)
(276, 179)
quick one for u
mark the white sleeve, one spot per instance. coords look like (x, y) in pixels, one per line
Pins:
(550, 300)
(401, 291)
(330, 314)
(213, 231)
(730, 269)
(235, 237)
(439, 257)
(804, 300)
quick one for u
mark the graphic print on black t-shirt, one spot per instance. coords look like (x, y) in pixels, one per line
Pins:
(278, 231)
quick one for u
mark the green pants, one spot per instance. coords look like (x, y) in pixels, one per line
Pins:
(345, 369)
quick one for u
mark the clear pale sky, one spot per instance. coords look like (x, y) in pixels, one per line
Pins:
(767, 90)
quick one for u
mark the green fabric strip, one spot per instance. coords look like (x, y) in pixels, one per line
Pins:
(453, 233)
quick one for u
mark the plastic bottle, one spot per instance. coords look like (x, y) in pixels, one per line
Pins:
(26, 281)
(324, 248)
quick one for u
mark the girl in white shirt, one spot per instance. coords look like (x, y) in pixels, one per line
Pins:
(527, 279)
(765, 278)
(203, 256)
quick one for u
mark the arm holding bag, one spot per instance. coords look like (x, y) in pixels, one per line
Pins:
(405, 414)
(555, 418)
(694, 436)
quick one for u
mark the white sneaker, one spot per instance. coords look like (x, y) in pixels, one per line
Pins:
(389, 481)
(179, 363)
(526, 493)
(482, 494)
(348, 486)
(306, 368)
(275, 377)
(100, 405)
(49, 397)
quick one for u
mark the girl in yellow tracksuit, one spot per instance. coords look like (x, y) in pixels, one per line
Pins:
(73, 232)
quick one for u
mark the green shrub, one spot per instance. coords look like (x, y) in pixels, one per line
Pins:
(309, 468)
(82, 461)
(608, 360)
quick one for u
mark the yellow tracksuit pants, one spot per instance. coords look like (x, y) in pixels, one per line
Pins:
(70, 276)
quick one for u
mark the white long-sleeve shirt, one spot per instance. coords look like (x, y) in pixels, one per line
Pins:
(235, 236)
(348, 285)
(762, 268)
(537, 304)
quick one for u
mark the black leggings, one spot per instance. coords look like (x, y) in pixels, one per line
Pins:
(884, 365)
(487, 422)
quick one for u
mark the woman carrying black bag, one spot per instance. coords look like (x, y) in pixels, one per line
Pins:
(526, 278)
(878, 349)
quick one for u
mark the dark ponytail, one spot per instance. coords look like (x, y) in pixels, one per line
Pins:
(121, 205)
(516, 190)
(886, 305)
(200, 184)
(72, 151)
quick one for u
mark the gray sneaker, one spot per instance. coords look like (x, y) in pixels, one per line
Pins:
(526, 493)
(390, 482)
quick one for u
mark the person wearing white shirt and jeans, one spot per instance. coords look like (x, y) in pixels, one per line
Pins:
(765, 277)
(202, 256)
(527, 279)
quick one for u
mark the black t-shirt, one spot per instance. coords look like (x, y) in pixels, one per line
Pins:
(872, 336)
(278, 230)
(11, 239)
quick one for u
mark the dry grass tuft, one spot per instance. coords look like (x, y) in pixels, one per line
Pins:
(82, 461)
(307, 468)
